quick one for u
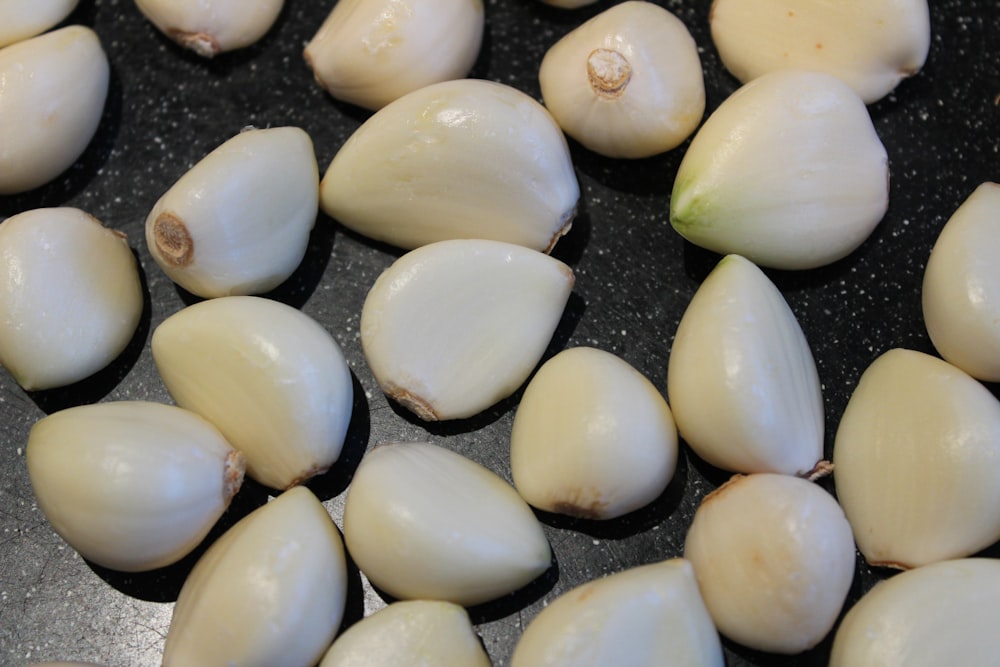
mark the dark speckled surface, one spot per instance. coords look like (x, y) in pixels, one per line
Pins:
(168, 108)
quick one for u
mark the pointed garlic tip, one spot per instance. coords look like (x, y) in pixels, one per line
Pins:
(741, 378)
(458, 159)
(592, 437)
(628, 83)
(22, 19)
(70, 296)
(270, 591)
(211, 28)
(774, 559)
(871, 46)
(917, 461)
(788, 171)
(239, 221)
(424, 522)
(271, 378)
(53, 94)
(451, 328)
(961, 286)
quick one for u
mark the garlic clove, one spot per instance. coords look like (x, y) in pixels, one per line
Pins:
(268, 376)
(627, 83)
(961, 286)
(647, 615)
(70, 296)
(592, 437)
(22, 19)
(741, 378)
(917, 461)
(788, 171)
(424, 522)
(238, 222)
(211, 28)
(459, 159)
(131, 485)
(53, 94)
(453, 327)
(270, 591)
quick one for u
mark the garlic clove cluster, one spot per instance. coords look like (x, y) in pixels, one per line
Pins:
(211, 27)
(23, 19)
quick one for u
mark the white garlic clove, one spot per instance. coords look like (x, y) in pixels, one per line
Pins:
(938, 614)
(270, 591)
(453, 327)
(917, 461)
(788, 171)
(648, 615)
(870, 45)
(592, 437)
(70, 296)
(774, 559)
(370, 52)
(22, 19)
(961, 286)
(742, 382)
(430, 632)
(271, 378)
(458, 159)
(627, 83)
(238, 222)
(424, 522)
(131, 485)
(212, 27)
(53, 94)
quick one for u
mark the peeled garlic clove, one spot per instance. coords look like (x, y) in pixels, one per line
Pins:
(424, 522)
(741, 378)
(453, 327)
(21, 19)
(458, 159)
(774, 559)
(917, 461)
(627, 83)
(961, 287)
(131, 485)
(647, 615)
(53, 94)
(938, 614)
(270, 591)
(212, 27)
(70, 296)
(788, 171)
(592, 437)
(267, 375)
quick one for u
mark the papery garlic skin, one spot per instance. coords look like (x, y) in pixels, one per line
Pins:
(70, 296)
(424, 522)
(453, 327)
(270, 591)
(52, 91)
(788, 171)
(627, 83)
(917, 461)
(648, 615)
(961, 286)
(131, 485)
(211, 27)
(459, 159)
(270, 377)
(22, 19)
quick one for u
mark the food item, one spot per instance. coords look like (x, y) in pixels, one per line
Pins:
(21, 19)
(211, 27)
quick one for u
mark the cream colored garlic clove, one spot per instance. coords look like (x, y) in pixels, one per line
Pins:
(627, 83)
(741, 378)
(22, 19)
(53, 94)
(211, 27)
(774, 559)
(788, 171)
(917, 461)
(961, 286)
(453, 327)
(592, 437)
(270, 591)
(424, 522)
(70, 296)
(458, 159)
(131, 485)
(648, 615)
(268, 376)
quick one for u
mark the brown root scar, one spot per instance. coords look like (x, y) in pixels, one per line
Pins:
(609, 72)
(172, 239)
(202, 43)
